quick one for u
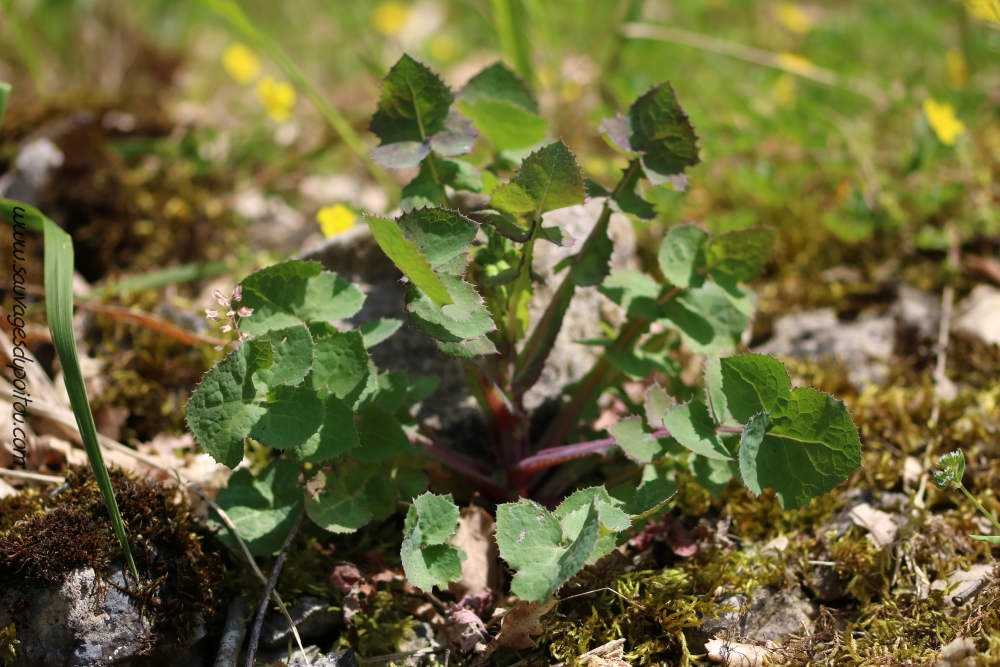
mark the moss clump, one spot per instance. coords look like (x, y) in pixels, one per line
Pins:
(72, 529)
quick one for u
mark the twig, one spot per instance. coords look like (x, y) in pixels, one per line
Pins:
(940, 379)
(147, 320)
(33, 476)
(269, 588)
(232, 636)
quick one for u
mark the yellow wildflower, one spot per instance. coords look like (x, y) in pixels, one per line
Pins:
(442, 47)
(941, 118)
(958, 70)
(987, 11)
(241, 63)
(389, 18)
(335, 219)
(278, 97)
(794, 18)
(784, 90)
(795, 63)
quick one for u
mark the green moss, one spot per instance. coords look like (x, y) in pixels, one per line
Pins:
(57, 535)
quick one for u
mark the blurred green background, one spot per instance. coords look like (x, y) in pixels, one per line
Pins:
(895, 156)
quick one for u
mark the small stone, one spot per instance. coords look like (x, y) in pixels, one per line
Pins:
(979, 315)
(956, 653)
(338, 659)
(312, 619)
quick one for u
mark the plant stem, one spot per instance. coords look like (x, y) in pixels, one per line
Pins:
(232, 12)
(597, 378)
(269, 588)
(982, 509)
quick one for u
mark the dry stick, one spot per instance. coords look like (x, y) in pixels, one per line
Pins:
(33, 476)
(269, 588)
(798, 67)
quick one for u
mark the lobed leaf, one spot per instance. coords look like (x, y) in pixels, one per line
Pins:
(231, 405)
(800, 442)
(292, 352)
(502, 108)
(693, 427)
(349, 495)
(296, 292)
(262, 509)
(533, 543)
(428, 559)
(682, 255)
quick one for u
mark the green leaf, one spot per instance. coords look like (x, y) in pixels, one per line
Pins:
(498, 83)
(348, 496)
(738, 256)
(650, 495)
(263, 509)
(391, 391)
(591, 265)
(337, 434)
(636, 292)
(707, 319)
(547, 180)
(230, 405)
(714, 395)
(428, 560)
(637, 441)
(752, 384)
(629, 201)
(507, 225)
(381, 436)
(713, 475)
(59, 264)
(656, 405)
(456, 137)
(427, 189)
(431, 246)
(663, 134)
(991, 539)
(377, 331)
(502, 108)
(414, 105)
(504, 125)
(292, 350)
(952, 469)
(682, 255)
(533, 543)
(468, 349)
(616, 132)
(531, 360)
(432, 320)
(573, 512)
(810, 446)
(342, 365)
(694, 428)
(401, 154)
(420, 387)
(296, 292)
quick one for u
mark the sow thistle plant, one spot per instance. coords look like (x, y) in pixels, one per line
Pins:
(304, 383)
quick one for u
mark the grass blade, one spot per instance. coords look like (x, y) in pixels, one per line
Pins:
(59, 308)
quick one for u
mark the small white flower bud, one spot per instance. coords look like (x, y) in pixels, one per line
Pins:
(223, 301)
(245, 312)
(238, 292)
(226, 328)
(212, 314)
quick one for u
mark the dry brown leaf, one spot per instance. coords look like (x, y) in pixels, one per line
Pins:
(611, 654)
(466, 631)
(475, 535)
(523, 620)
(879, 524)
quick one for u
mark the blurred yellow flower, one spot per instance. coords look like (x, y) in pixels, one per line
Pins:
(987, 11)
(941, 118)
(793, 17)
(784, 90)
(335, 219)
(442, 47)
(795, 63)
(957, 69)
(241, 63)
(278, 97)
(390, 17)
